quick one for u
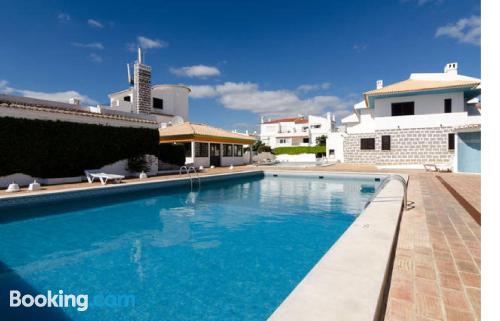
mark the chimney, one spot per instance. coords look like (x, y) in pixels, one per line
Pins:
(451, 68)
(262, 119)
(142, 86)
(380, 83)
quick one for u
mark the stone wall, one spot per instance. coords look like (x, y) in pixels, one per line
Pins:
(142, 88)
(408, 146)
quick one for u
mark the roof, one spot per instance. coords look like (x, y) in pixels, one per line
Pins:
(352, 118)
(410, 85)
(34, 104)
(159, 86)
(200, 132)
(297, 120)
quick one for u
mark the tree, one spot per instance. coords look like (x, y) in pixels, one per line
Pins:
(321, 140)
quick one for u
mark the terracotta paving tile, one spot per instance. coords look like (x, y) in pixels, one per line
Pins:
(466, 266)
(401, 289)
(446, 266)
(450, 281)
(428, 306)
(474, 296)
(471, 279)
(426, 272)
(455, 299)
(458, 315)
(426, 287)
(399, 311)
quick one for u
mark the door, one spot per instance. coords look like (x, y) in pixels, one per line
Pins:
(215, 155)
(469, 152)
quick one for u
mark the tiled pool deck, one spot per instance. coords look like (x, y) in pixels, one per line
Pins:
(437, 266)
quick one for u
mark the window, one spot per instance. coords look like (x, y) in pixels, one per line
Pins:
(227, 150)
(157, 103)
(367, 143)
(305, 140)
(316, 126)
(238, 150)
(187, 149)
(386, 142)
(451, 141)
(126, 98)
(403, 109)
(201, 149)
(282, 141)
(447, 105)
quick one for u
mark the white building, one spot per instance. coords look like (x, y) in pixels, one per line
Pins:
(295, 131)
(414, 122)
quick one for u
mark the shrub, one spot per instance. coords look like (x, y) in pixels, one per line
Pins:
(321, 140)
(174, 154)
(300, 150)
(45, 148)
(263, 148)
(138, 164)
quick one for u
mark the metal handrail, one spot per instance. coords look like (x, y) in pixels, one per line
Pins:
(197, 176)
(386, 180)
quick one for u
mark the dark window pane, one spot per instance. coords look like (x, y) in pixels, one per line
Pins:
(126, 98)
(227, 150)
(238, 150)
(386, 142)
(187, 149)
(157, 103)
(403, 109)
(447, 105)
(367, 143)
(201, 149)
(451, 141)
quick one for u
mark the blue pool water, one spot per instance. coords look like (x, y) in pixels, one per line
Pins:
(232, 251)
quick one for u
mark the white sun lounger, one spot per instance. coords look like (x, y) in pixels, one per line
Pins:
(103, 177)
(447, 167)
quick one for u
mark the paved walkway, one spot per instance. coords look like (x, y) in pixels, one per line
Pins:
(437, 267)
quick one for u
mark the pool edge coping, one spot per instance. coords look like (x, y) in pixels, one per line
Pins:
(359, 264)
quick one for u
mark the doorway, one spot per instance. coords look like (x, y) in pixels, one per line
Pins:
(215, 155)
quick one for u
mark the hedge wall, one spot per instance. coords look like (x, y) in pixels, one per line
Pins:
(172, 154)
(44, 148)
(300, 150)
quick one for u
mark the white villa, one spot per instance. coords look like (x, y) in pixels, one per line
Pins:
(430, 118)
(295, 131)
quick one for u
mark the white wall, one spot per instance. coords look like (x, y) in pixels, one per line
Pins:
(175, 100)
(296, 158)
(335, 142)
(424, 104)
(365, 125)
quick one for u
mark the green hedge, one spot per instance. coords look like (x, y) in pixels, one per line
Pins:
(44, 148)
(172, 154)
(300, 150)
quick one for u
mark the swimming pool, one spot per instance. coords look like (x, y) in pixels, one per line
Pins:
(233, 250)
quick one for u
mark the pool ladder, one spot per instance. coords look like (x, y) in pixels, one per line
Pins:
(386, 180)
(190, 170)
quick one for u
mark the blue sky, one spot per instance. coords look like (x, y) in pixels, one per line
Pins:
(243, 60)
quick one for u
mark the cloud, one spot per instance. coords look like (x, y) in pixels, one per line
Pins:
(95, 24)
(63, 17)
(197, 71)
(248, 97)
(148, 43)
(423, 2)
(95, 58)
(91, 45)
(465, 30)
(308, 87)
(62, 96)
(359, 48)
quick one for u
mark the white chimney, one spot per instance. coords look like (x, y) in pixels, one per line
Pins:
(74, 101)
(380, 83)
(139, 55)
(451, 68)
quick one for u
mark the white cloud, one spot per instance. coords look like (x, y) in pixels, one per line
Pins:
(465, 30)
(91, 45)
(313, 87)
(95, 58)
(63, 17)
(148, 43)
(203, 91)
(94, 23)
(62, 96)
(197, 71)
(247, 96)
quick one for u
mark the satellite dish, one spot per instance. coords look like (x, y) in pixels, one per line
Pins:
(177, 120)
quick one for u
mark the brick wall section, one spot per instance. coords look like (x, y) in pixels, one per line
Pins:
(408, 146)
(142, 86)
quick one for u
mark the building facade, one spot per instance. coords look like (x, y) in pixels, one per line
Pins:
(295, 131)
(412, 122)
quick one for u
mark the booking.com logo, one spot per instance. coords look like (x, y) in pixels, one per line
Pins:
(60, 299)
